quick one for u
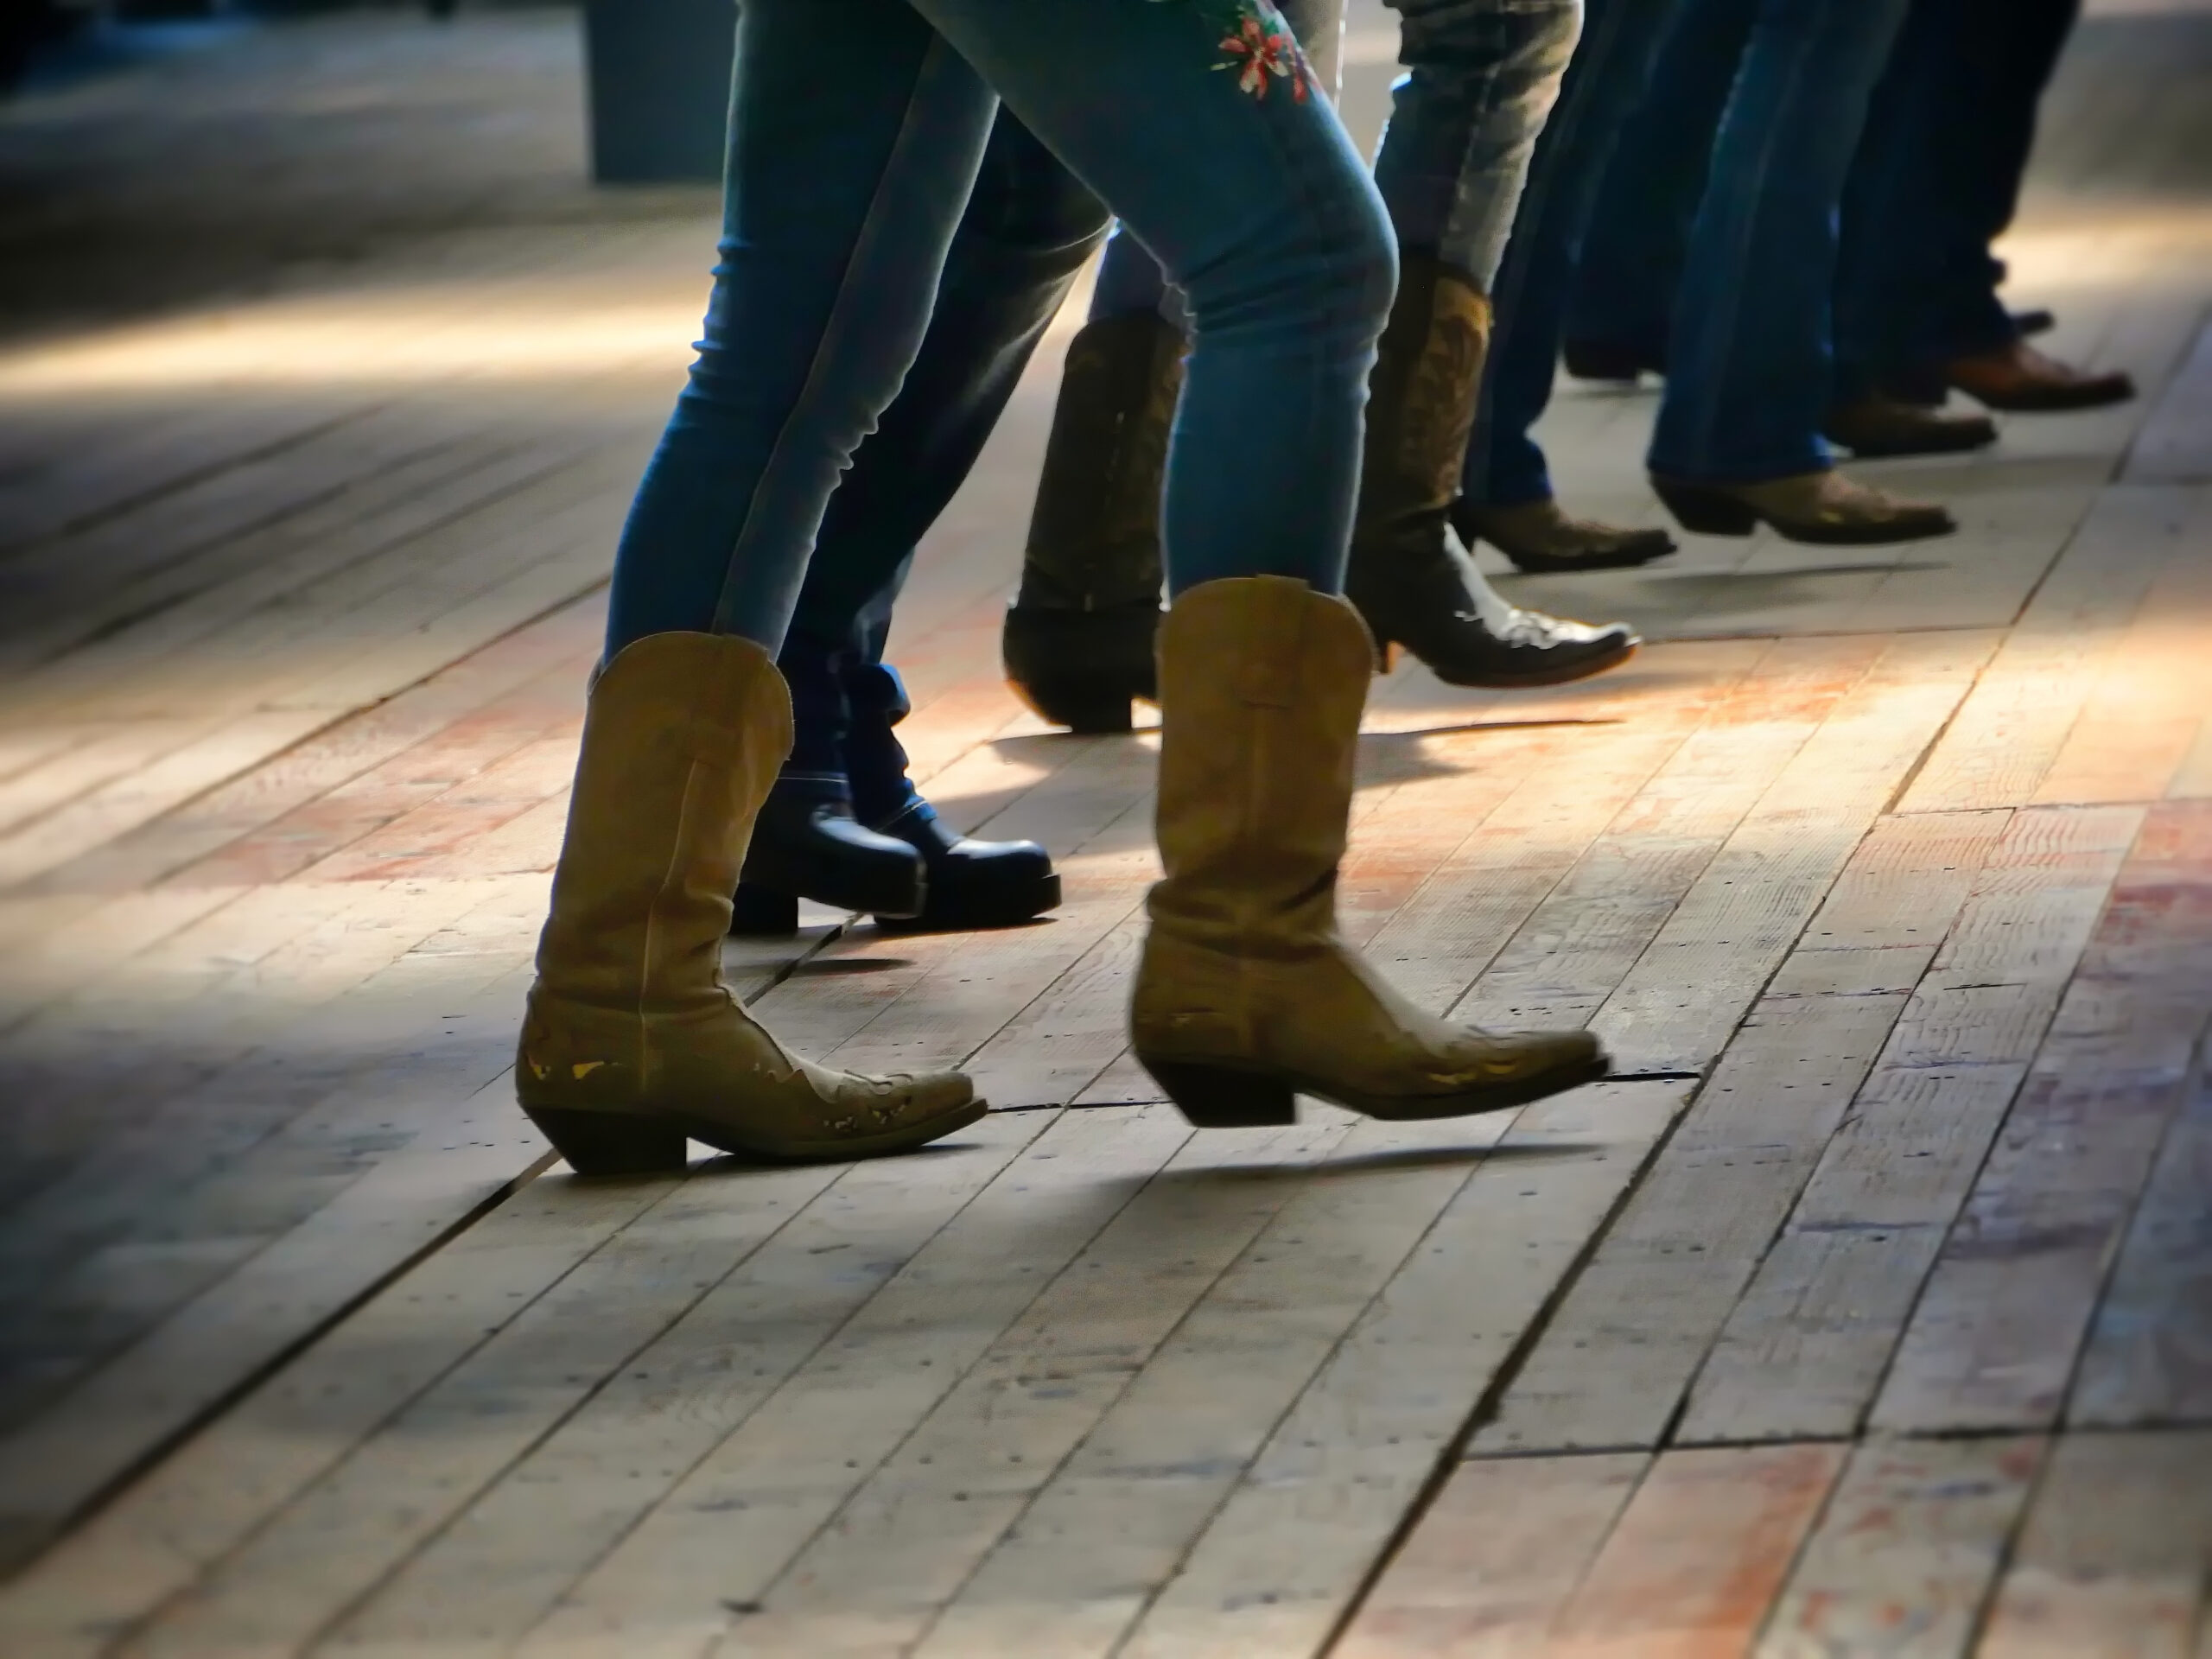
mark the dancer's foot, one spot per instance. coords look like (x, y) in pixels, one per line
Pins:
(1541, 537)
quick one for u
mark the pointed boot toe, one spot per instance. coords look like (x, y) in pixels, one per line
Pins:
(1246, 996)
(1543, 539)
(1823, 509)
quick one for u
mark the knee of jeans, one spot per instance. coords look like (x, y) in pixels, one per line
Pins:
(1325, 270)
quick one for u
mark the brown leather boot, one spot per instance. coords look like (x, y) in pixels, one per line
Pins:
(1823, 507)
(1541, 537)
(631, 1043)
(1077, 639)
(2019, 377)
(1246, 996)
(1411, 585)
(1875, 425)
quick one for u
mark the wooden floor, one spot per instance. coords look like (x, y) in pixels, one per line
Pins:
(1868, 1312)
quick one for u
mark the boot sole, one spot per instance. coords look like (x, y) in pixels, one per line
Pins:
(1004, 905)
(1564, 674)
(606, 1144)
(828, 881)
(1229, 1096)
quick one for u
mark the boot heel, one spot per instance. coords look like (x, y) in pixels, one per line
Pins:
(1704, 511)
(608, 1143)
(1213, 1097)
(761, 912)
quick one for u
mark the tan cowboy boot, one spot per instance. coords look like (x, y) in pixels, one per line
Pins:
(1246, 996)
(631, 1044)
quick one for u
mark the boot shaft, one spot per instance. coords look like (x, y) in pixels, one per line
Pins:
(683, 737)
(1422, 401)
(1094, 535)
(1262, 682)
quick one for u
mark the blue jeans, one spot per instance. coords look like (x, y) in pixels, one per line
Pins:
(1481, 76)
(1749, 363)
(1638, 227)
(857, 131)
(1936, 181)
(1028, 228)
(1505, 467)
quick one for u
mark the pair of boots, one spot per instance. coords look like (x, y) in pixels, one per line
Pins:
(1078, 638)
(1245, 997)
(844, 826)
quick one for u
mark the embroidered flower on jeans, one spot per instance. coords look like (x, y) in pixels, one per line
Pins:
(1260, 46)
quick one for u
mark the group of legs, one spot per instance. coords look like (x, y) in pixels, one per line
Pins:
(896, 241)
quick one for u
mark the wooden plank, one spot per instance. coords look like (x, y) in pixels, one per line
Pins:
(1994, 1340)
(1701, 1553)
(872, 1579)
(2141, 722)
(720, 1524)
(308, 1562)
(1281, 1562)
(106, 1426)
(273, 821)
(2115, 1554)
(1611, 1368)
(2174, 443)
(1616, 1358)
(1735, 924)
(1908, 1552)
(2013, 726)
(1494, 1558)
(2149, 1356)
(1807, 1346)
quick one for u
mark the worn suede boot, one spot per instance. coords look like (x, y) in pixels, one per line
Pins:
(1412, 586)
(1823, 508)
(1543, 538)
(1246, 996)
(631, 1043)
(1077, 641)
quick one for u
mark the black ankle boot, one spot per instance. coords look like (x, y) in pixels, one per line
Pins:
(969, 883)
(806, 843)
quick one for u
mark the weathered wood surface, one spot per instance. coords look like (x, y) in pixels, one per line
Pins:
(1870, 1312)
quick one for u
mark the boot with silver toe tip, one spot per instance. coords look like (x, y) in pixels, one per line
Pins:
(1410, 584)
(631, 1045)
(1247, 996)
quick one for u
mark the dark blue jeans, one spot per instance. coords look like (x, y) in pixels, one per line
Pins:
(1749, 361)
(1936, 181)
(1481, 76)
(1505, 467)
(857, 131)
(1637, 230)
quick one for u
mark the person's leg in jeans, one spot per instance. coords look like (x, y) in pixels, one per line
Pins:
(1620, 307)
(1936, 181)
(857, 127)
(1078, 638)
(1738, 440)
(843, 825)
(1505, 488)
(1465, 119)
